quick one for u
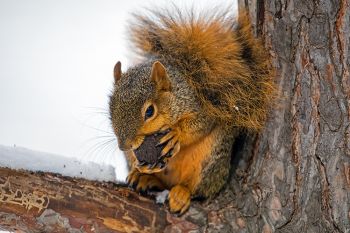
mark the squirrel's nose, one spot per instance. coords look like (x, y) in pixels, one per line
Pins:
(124, 145)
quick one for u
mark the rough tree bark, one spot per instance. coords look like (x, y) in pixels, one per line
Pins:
(292, 177)
(43, 202)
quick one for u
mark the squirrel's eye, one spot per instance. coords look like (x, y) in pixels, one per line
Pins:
(149, 112)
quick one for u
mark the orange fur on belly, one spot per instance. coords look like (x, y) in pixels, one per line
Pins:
(186, 166)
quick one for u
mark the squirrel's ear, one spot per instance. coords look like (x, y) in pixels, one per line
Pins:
(117, 71)
(160, 76)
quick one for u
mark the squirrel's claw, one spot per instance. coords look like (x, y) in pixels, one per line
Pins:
(167, 137)
(179, 199)
(150, 168)
(172, 144)
(164, 129)
(132, 178)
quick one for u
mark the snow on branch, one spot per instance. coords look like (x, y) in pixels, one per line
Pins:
(25, 159)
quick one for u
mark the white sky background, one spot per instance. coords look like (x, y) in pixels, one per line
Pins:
(56, 63)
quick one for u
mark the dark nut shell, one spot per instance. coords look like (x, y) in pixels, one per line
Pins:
(149, 152)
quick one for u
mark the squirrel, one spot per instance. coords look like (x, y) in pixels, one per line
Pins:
(203, 78)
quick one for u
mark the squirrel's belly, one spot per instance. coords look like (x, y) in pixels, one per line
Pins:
(186, 167)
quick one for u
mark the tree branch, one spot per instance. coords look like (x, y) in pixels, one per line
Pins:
(44, 202)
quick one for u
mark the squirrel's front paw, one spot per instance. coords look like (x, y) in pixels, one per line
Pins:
(179, 199)
(143, 182)
(172, 147)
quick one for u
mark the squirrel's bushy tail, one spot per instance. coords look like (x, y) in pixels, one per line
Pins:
(219, 56)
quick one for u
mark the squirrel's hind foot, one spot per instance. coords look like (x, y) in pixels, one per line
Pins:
(179, 199)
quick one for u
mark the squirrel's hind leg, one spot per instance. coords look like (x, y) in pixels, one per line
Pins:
(217, 167)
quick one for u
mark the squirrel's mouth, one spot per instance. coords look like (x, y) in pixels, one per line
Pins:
(148, 154)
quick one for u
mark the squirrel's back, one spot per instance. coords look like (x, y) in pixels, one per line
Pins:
(222, 61)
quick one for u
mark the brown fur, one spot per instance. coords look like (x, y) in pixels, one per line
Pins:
(207, 77)
(229, 69)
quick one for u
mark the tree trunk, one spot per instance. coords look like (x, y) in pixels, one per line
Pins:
(292, 177)
(298, 176)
